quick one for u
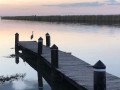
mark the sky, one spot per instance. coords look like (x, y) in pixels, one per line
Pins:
(58, 7)
(41, 2)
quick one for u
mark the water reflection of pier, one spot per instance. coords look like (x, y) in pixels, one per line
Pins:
(62, 70)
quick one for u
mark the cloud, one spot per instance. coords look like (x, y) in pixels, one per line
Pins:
(86, 4)
(112, 2)
(83, 4)
(86, 8)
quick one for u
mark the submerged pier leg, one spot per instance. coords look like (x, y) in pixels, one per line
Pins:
(16, 56)
(40, 81)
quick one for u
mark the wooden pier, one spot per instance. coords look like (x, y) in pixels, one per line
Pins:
(62, 70)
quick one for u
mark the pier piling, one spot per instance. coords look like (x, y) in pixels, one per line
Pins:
(40, 81)
(16, 56)
(54, 56)
(54, 64)
(40, 44)
(16, 39)
(47, 40)
(71, 73)
(99, 76)
(16, 48)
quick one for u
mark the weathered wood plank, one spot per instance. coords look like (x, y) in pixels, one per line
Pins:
(74, 68)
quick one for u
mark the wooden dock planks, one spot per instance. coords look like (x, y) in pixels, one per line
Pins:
(74, 68)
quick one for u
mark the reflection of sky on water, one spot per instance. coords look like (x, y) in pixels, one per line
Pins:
(8, 67)
(88, 42)
(22, 85)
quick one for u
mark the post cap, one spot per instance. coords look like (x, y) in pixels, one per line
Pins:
(54, 47)
(99, 65)
(16, 34)
(40, 39)
(47, 34)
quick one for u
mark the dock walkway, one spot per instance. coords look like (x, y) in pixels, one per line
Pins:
(76, 71)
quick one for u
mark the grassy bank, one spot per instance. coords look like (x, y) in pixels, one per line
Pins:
(88, 19)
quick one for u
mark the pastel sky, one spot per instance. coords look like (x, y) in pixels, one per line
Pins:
(31, 2)
(58, 7)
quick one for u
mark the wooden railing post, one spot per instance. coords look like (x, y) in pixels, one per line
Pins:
(47, 40)
(40, 45)
(99, 76)
(54, 56)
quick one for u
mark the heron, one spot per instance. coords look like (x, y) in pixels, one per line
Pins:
(31, 36)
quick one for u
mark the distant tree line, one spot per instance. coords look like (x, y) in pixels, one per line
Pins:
(88, 19)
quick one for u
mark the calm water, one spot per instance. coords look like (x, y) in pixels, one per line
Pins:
(88, 42)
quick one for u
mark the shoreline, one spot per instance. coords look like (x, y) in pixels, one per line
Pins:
(84, 19)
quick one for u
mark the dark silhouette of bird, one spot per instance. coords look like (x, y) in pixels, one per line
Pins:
(32, 36)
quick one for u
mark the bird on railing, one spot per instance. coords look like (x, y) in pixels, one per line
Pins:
(32, 36)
